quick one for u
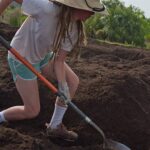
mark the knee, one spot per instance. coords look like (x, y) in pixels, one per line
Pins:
(32, 112)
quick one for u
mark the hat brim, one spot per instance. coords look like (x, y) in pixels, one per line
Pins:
(83, 6)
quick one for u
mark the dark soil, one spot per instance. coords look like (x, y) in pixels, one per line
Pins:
(114, 92)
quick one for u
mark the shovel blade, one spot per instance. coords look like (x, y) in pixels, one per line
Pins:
(114, 145)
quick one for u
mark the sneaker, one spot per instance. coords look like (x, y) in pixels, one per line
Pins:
(62, 132)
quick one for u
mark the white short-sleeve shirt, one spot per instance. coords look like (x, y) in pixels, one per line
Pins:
(35, 37)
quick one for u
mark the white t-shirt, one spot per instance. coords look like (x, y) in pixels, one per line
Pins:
(35, 37)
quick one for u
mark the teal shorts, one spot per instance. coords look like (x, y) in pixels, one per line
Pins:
(19, 69)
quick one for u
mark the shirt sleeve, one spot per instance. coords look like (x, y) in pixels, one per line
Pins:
(68, 45)
(34, 7)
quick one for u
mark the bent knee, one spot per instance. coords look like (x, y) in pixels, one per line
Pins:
(32, 112)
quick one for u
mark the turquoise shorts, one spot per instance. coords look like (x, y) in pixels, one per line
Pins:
(19, 69)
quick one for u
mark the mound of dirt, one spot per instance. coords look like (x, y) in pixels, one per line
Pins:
(114, 92)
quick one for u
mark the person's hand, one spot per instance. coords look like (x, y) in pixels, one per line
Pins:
(64, 89)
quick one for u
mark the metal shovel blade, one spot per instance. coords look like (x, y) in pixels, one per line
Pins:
(108, 144)
(113, 145)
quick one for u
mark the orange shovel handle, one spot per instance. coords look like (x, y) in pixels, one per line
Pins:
(50, 86)
(28, 65)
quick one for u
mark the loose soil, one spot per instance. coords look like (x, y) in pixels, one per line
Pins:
(114, 92)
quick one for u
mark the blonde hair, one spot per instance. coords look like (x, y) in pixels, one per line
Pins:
(64, 24)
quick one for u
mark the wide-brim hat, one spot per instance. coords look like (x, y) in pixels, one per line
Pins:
(95, 6)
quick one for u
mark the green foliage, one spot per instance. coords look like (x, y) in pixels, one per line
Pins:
(123, 24)
(126, 26)
(13, 16)
(95, 27)
(146, 26)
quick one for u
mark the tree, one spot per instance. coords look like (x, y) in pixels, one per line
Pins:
(123, 24)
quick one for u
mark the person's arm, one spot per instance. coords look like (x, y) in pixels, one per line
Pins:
(5, 3)
(59, 67)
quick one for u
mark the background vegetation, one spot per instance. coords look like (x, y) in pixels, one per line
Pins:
(126, 25)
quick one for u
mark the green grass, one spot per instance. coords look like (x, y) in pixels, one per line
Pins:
(13, 16)
(120, 44)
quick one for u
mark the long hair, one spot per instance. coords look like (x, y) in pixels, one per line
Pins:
(63, 26)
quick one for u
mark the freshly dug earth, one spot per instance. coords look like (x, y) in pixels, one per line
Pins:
(114, 92)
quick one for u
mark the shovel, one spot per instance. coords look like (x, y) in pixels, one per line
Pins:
(107, 144)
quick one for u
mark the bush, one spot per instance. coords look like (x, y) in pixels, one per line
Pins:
(13, 16)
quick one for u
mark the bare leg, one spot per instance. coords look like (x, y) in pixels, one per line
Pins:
(28, 90)
(60, 107)
(71, 78)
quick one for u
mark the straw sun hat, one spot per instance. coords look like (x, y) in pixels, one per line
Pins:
(90, 5)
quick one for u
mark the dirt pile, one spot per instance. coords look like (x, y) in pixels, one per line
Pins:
(114, 92)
